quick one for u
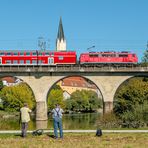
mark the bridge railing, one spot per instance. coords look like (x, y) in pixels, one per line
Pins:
(72, 68)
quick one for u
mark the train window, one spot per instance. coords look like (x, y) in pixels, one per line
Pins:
(112, 55)
(104, 55)
(21, 53)
(46, 53)
(0, 61)
(40, 53)
(15, 62)
(2, 53)
(52, 54)
(8, 61)
(40, 62)
(34, 61)
(8, 53)
(27, 61)
(15, 53)
(21, 61)
(27, 53)
(123, 55)
(61, 57)
(34, 53)
(93, 55)
(133, 55)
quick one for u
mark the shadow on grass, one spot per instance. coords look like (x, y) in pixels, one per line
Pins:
(51, 136)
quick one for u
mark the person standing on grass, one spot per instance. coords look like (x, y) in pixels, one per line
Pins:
(57, 120)
(24, 118)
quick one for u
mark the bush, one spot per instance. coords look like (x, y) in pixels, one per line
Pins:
(136, 118)
(109, 120)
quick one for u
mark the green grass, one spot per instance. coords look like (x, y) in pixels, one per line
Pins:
(73, 140)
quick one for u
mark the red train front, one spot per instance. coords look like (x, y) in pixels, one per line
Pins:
(108, 58)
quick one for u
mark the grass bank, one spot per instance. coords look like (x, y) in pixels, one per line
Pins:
(86, 140)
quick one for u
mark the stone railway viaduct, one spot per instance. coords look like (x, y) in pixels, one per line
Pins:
(41, 78)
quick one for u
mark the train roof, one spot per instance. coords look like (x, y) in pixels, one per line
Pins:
(108, 52)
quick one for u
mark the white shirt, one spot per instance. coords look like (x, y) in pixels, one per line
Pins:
(25, 117)
(57, 112)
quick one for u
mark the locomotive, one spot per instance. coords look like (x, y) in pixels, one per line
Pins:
(37, 57)
(109, 57)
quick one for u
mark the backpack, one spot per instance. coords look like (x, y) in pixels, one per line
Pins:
(99, 132)
(37, 132)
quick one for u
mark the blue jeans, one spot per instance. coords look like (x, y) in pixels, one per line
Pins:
(57, 123)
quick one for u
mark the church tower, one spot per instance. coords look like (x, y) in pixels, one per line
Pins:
(60, 41)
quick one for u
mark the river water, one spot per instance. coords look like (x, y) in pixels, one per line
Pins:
(70, 121)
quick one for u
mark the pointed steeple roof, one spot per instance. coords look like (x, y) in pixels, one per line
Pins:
(60, 35)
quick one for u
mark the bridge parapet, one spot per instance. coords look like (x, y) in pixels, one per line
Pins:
(73, 68)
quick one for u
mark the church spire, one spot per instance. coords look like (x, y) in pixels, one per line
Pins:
(60, 35)
(60, 42)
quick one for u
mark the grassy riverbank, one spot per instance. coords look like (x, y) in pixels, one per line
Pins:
(115, 140)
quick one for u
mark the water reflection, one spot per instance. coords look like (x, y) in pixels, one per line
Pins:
(70, 121)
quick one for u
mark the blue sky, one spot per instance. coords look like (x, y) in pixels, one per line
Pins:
(108, 24)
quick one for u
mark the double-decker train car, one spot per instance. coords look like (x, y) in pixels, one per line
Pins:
(108, 58)
(35, 57)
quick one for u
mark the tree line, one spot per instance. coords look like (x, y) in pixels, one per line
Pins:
(79, 101)
(13, 97)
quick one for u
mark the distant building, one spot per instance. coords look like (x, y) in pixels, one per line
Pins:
(10, 81)
(66, 95)
(60, 41)
(71, 84)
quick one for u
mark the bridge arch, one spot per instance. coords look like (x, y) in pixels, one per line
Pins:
(67, 76)
(97, 90)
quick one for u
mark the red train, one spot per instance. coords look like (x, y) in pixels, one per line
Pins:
(108, 58)
(35, 57)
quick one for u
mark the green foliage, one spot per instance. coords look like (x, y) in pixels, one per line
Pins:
(55, 97)
(135, 91)
(56, 87)
(13, 97)
(145, 57)
(1, 85)
(108, 121)
(79, 101)
(131, 102)
(84, 100)
(138, 117)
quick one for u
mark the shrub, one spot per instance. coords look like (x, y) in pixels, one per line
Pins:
(109, 120)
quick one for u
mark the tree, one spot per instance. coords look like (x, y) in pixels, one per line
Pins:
(15, 96)
(130, 96)
(1, 85)
(55, 97)
(145, 57)
(84, 100)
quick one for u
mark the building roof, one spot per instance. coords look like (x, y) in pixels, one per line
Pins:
(9, 79)
(60, 35)
(77, 82)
